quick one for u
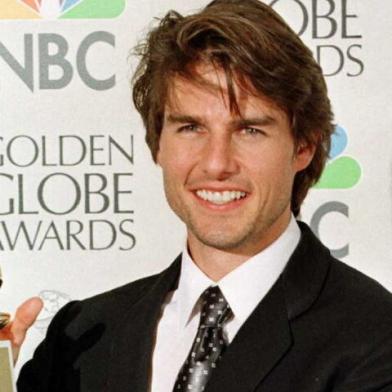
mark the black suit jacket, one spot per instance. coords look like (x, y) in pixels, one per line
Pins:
(322, 327)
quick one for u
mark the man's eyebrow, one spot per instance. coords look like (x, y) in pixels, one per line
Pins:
(257, 121)
(240, 122)
(175, 118)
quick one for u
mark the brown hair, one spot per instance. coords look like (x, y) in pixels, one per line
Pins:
(254, 46)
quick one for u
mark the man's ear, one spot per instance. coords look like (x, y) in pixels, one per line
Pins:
(303, 155)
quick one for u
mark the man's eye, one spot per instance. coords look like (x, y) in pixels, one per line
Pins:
(188, 128)
(252, 131)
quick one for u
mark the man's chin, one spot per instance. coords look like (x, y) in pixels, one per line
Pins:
(221, 240)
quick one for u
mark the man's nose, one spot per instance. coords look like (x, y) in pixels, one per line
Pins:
(218, 160)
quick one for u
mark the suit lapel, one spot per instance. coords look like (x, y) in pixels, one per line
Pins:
(305, 273)
(133, 341)
(265, 338)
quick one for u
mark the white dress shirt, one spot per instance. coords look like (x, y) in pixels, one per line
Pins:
(243, 289)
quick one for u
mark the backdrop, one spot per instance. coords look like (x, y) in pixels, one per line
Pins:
(81, 204)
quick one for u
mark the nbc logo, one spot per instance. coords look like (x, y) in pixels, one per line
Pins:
(61, 9)
(341, 171)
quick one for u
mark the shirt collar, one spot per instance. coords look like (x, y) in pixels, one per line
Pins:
(260, 272)
(192, 283)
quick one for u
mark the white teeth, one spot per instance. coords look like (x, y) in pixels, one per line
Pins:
(220, 197)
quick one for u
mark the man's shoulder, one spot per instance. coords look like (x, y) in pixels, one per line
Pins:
(334, 280)
(106, 308)
(334, 296)
(128, 292)
(357, 290)
(353, 312)
(356, 280)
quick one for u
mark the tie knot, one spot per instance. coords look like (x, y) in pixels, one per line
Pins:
(215, 310)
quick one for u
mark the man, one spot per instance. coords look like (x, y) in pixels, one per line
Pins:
(238, 118)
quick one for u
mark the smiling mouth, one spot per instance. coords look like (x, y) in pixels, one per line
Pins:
(220, 198)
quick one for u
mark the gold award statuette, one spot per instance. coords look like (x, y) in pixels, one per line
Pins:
(7, 382)
(4, 317)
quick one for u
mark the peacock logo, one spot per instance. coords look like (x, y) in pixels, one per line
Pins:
(341, 171)
(61, 9)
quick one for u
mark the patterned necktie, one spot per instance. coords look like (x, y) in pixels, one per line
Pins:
(209, 344)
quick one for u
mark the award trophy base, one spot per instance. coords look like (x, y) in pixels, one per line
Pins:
(7, 382)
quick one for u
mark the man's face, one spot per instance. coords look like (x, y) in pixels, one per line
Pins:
(229, 177)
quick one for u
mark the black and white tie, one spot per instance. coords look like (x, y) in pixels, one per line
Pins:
(209, 344)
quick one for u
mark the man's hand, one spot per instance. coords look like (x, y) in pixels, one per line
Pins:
(16, 330)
